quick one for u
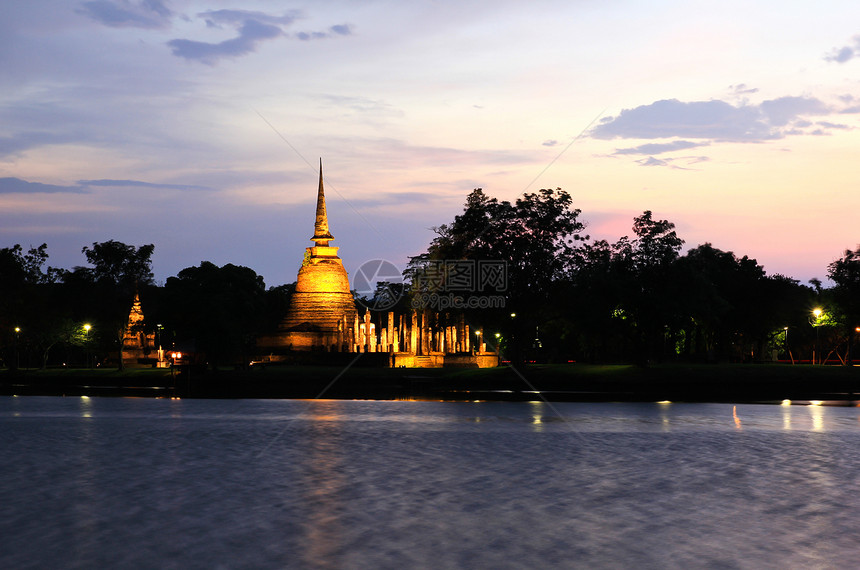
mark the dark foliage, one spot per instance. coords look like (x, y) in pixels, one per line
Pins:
(219, 309)
(564, 297)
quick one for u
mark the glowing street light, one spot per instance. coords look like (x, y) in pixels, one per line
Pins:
(87, 327)
(17, 354)
(158, 329)
(817, 313)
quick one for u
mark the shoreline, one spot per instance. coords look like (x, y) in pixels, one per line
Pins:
(715, 383)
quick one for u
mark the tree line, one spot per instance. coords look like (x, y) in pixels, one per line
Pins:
(566, 297)
(639, 299)
(52, 316)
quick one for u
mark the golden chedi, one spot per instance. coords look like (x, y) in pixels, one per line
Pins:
(138, 347)
(322, 310)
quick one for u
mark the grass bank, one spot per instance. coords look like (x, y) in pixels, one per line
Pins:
(561, 382)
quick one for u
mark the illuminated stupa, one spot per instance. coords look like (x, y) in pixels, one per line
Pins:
(138, 347)
(322, 310)
(322, 318)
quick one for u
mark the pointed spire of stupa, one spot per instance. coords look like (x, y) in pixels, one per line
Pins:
(321, 232)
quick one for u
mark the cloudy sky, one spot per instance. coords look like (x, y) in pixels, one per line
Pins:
(197, 125)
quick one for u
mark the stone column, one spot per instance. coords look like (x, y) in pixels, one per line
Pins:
(413, 333)
(425, 333)
(366, 341)
(461, 325)
(356, 335)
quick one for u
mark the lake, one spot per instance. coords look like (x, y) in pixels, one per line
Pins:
(136, 483)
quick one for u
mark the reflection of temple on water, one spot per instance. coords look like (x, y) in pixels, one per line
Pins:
(322, 498)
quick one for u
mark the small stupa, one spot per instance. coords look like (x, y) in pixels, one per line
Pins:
(321, 309)
(137, 345)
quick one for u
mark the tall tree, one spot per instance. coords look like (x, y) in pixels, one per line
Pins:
(734, 308)
(650, 296)
(220, 309)
(120, 265)
(27, 290)
(535, 240)
(118, 271)
(845, 273)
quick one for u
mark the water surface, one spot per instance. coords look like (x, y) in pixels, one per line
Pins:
(104, 482)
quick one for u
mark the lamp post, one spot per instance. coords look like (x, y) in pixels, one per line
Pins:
(817, 313)
(17, 353)
(851, 358)
(87, 328)
(512, 348)
(160, 350)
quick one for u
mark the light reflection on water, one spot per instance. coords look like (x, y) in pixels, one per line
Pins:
(335, 484)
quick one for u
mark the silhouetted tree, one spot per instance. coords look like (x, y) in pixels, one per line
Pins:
(27, 292)
(845, 273)
(277, 300)
(735, 310)
(220, 309)
(605, 329)
(647, 284)
(118, 271)
(534, 237)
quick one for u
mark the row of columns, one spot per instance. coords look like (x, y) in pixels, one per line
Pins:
(420, 333)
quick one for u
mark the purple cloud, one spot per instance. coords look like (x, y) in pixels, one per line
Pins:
(253, 28)
(151, 14)
(251, 33)
(844, 53)
(217, 18)
(23, 141)
(651, 161)
(659, 148)
(334, 31)
(712, 120)
(829, 125)
(140, 184)
(698, 119)
(743, 89)
(18, 186)
(671, 162)
(782, 111)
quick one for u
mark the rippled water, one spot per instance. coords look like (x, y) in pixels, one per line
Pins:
(88, 483)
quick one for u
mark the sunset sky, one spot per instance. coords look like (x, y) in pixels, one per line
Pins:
(198, 125)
